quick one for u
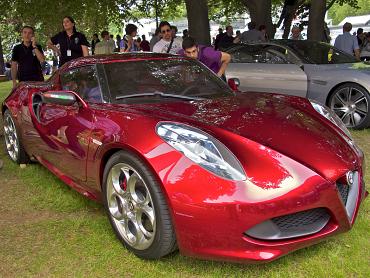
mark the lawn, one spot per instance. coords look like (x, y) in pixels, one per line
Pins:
(47, 229)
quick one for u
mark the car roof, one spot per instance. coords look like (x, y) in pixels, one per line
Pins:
(118, 57)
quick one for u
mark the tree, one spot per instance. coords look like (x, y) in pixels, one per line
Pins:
(198, 21)
(339, 11)
(260, 12)
(316, 20)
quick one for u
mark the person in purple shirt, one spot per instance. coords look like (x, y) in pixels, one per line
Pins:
(215, 60)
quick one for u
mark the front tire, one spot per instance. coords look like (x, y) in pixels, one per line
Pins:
(13, 144)
(136, 207)
(351, 103)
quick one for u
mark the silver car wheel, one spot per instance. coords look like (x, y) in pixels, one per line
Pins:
(351, 105)
(131, 207)
(11, 138)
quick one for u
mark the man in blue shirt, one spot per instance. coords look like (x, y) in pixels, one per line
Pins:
(348, 43)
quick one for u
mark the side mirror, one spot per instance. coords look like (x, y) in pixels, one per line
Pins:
(66, 98)
(234, 84)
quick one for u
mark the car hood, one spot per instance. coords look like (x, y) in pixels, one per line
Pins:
(286, 124)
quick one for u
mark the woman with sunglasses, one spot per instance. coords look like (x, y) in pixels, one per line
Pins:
(167, 44)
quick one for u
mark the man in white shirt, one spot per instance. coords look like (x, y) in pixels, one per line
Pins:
(252, 35)
(348, 43)
(167, 44)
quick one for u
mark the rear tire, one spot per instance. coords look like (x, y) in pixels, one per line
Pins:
(13, 143)
(136, 207)
(351, 103)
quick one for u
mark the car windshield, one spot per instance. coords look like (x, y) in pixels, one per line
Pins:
(165, 79)
(319, 52)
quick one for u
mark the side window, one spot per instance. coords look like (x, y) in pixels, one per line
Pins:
(83, 81)
(275, 55)
(247, 54)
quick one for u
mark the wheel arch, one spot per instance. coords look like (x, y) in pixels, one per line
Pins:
(108, 153)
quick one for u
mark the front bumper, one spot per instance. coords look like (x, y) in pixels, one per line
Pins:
(211, 215)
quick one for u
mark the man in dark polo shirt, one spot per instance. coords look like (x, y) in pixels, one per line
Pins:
(26, 58)
(72, 44)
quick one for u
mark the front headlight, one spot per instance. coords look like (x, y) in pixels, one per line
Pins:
(202, 149)
(331, 116)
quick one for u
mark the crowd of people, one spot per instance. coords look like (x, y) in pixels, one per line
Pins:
(357, 44)
(69, 44)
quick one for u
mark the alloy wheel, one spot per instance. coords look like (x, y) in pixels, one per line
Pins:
(11, 138)
(351, 105)
(131, 207)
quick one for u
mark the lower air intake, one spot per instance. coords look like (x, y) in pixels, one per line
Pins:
(298, 224)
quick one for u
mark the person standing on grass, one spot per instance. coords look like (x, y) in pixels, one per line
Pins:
(27, 58)
(348, 43)
(72, 44)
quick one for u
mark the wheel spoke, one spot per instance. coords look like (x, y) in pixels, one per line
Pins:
(117, 206)
(147, 220)
(352, 119)
(360, 99)
(337, 96)
(131, 184)
(340, 109)
(134, 229)
(349, 96)
(360, 111)
(344, 116)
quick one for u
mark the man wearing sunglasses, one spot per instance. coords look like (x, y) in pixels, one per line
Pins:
(167, 44)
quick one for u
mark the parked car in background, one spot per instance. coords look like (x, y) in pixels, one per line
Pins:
(310, 69)
(182, 161)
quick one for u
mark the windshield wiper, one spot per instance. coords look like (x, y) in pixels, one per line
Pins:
(157, 94)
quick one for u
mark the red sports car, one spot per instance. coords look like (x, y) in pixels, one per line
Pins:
(182, 161)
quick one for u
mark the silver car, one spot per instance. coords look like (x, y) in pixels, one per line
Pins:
(310, 69)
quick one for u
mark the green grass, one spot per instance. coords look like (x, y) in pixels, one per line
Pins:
(47, 229)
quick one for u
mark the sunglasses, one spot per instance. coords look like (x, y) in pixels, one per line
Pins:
(165, 31)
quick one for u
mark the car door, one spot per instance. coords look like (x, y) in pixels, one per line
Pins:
(267, 68)
(67, 129)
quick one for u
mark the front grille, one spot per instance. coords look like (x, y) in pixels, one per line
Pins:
(301, 220)
(343, 191)
(293, 225)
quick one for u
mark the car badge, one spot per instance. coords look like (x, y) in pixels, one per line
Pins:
(350, 178)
